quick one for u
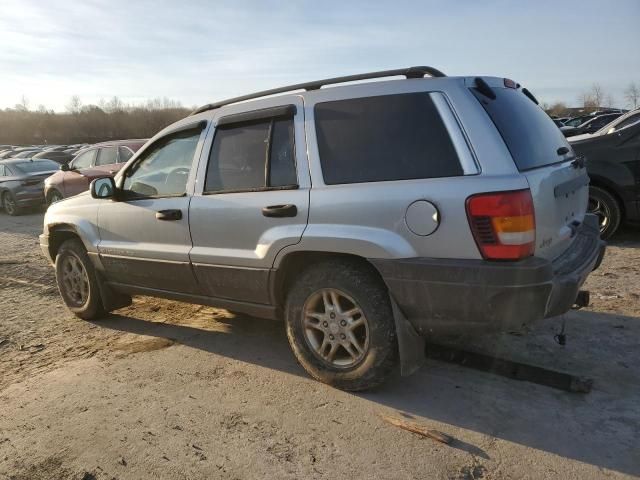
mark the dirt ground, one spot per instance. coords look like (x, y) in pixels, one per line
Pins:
(176, 391)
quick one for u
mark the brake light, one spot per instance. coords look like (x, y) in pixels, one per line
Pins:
(503, 224)
(510, 83)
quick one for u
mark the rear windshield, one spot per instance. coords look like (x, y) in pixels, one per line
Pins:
(36, 166)
(530, 134)
(390, 137)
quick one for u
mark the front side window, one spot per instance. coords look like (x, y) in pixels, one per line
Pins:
(252, 155)
(163, 169)
(107, 156)
(390, 137)
(84, 160)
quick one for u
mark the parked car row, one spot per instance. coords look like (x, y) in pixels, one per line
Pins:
(30, 177)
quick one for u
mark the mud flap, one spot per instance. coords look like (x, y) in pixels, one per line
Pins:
(111, 300)
(411, 346)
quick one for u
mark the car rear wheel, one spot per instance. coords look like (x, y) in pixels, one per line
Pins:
(9, 204)
(77, 281)
(340, 325)
(607, 209)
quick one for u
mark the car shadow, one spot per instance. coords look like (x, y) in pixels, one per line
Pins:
(599, 428)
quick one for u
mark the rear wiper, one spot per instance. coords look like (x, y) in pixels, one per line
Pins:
(579, 162)
(530, 96)
(484, 88)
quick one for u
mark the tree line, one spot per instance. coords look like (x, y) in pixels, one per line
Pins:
(109, 120)
(595, 99)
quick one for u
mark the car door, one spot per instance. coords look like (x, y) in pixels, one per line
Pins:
(74, 180)
(252, 198)
(144, 235)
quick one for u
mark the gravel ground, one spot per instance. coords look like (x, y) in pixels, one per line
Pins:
(170, 390)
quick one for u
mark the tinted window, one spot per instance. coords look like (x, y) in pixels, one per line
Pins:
(107, 156)
(125, 154)
(163, 169)
(2, 173)
(392, 137)
(240, 153)
(529, 133)
(36, 166)
(84, 160)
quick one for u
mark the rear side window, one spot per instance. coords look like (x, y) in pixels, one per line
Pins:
(529, 133)
(252, 156)
(390, 137)
(84, 160)
(107, 156)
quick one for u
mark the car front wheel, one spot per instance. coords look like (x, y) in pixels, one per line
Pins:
(340, 325)
(77, 281)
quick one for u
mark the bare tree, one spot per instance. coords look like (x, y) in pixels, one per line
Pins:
(74, 105)
(597, 94)
(632, 95)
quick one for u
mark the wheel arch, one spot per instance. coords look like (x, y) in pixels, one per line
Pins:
(60, 233)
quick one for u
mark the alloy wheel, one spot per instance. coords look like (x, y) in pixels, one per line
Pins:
(601, 209)
(335, 328)
(75, 280)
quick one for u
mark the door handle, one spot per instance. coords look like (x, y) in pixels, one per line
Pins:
(169, 215)
(288, 210)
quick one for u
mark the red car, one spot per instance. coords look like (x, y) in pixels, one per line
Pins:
(99, 160)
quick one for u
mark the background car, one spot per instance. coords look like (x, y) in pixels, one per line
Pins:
(55, 155)
(613, 163)
(22, 183)
(99, 160)
(26, 154)
(590, 126)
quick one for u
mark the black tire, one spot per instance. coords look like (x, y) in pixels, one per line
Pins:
(9, 205)
(90, 308)
(366, 289)
(53, 196)
(607, 208)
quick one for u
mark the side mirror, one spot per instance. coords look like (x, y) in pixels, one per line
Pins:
(103, 188)
(65, 167)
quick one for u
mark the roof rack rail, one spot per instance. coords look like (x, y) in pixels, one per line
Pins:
(411, 72)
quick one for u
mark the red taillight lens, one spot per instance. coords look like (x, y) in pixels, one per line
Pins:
(503, 224)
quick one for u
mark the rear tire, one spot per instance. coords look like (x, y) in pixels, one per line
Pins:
(340, 325)
(606, 207)
(77, 281)
(9, 205)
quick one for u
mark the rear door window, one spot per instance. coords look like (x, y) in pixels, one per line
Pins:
(389, 137)
(124, 154)
(107, 156)
(252, 156)
(529, 133)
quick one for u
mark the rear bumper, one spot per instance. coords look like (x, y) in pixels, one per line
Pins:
(448, 296)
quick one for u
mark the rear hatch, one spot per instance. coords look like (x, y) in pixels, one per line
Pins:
(559, 184)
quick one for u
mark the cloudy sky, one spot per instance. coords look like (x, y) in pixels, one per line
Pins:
(201, 51)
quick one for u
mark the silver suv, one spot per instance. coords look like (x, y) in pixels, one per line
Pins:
(368, 215)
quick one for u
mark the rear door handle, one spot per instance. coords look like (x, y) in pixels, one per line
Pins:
(288, 210)
(169, 215)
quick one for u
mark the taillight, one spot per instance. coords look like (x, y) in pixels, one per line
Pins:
(503, 224)
(26, 183)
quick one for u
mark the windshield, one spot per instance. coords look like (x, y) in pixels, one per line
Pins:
(529, 133)
(36, 166)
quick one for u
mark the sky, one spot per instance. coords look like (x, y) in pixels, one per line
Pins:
(197, 52)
